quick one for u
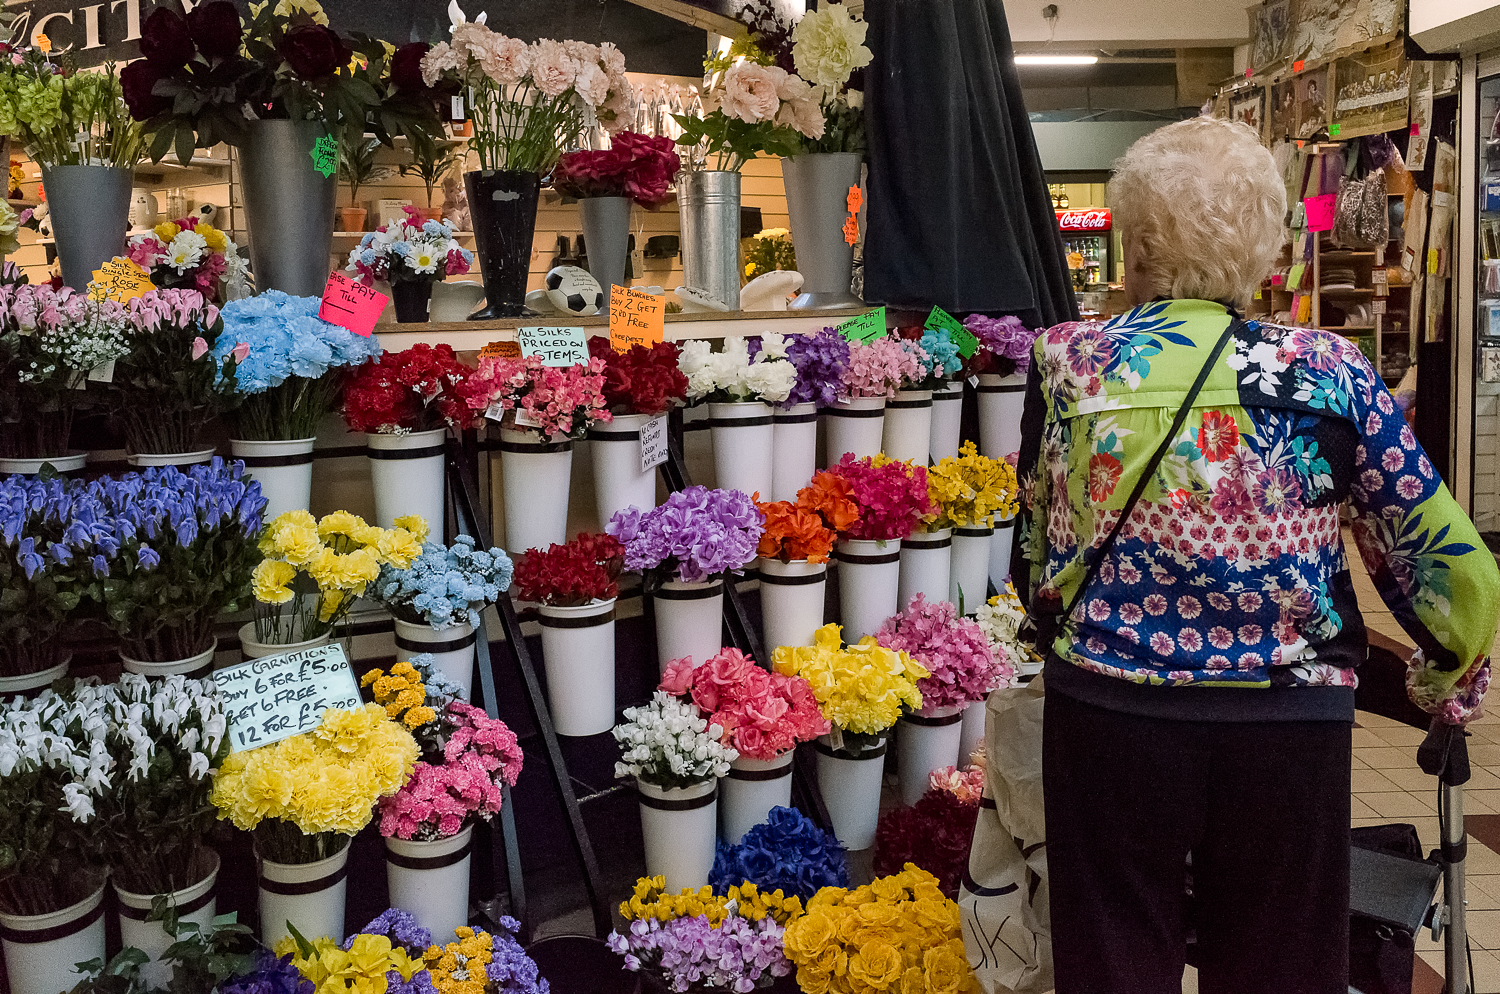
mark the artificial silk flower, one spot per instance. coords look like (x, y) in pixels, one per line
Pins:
(961, 667)
(860, 688)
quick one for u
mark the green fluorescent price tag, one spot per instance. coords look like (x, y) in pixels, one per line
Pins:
(941, 320)
(865, 328)
(1334, 129)
(325, 155)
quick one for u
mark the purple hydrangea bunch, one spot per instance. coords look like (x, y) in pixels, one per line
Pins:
(821, 361)
(697, 534)
(1005, 337)
(690, 954)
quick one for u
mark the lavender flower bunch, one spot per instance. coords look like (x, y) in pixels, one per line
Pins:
(821, 362)
(445, 586)
(403, 929)
(689, 954)
(272, 975)
(697, 534)
(1006, 338)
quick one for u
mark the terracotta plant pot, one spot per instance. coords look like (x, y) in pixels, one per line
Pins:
(352, 218)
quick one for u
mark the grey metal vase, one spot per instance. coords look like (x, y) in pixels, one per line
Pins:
(817, 194)
(288, 207)
(90, 211)
(606, 235)
(709, 200)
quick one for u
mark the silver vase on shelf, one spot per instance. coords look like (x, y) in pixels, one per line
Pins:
(709, 200)
(288, 207)
(90, 211)
(606, 235)
(817, 197)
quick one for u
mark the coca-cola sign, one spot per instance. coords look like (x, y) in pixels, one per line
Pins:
(1092, 220)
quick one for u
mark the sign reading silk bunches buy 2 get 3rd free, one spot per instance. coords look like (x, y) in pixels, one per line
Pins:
(270, 699)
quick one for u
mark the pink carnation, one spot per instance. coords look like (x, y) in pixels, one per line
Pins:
(463, 782)
(963, 668)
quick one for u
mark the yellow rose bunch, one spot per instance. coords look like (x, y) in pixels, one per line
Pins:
(458, 967)
(402, 694)
(651, 900)
(361, 969)
(861, 688)
(971, 490)
(896, 933)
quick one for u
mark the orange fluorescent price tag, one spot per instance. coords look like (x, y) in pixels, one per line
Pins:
(635, 318)
(501, 350)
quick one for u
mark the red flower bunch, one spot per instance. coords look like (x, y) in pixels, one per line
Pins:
(636, 166)
(571, 575)
(640, 380)
(891, 496)
(935, 834)
(807, 529)
(764, 714)
(554, 400)
(415, 390)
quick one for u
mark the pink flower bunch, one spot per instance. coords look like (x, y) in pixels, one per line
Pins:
(555, 400)
(764, 714)
(878, 368)
(962, 669)
(966, 785)
(891, 496)
(754, 94)
(479, 753)
(172, 309)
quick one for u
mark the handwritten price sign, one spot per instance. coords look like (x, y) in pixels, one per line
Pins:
(325, 155)
(555, 346)
(352, 305)
(635, 318)
(941, 320)
(119, 279)
(270, 699)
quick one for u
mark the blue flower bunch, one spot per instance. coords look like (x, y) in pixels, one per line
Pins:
(942, 354)
(786, 852)
(446, 585)
(271, 975)
(286, 338)
(441, 688)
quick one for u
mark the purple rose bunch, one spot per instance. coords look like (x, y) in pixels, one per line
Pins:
(821, 360)
(697, 534)
(1005, 338)
(690, 954)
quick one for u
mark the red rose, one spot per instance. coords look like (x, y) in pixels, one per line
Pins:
(165, 39)
(216, 29)
(138, 84)
(406, 67)
(314, 51)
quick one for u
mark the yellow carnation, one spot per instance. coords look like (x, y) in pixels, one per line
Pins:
(340, 523)
(329, 603)
(166, 231)
(298, 544)
(212, 237)
(269, 581)
(415, 524)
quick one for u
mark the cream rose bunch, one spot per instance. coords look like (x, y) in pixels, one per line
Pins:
(828, 46)
(750, 106)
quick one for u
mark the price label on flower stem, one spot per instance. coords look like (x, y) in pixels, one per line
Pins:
(941, 320)
(325, 155)
(653, 443)
(120, 280)
(555, 346)
(351, 305)
(864, 328)
(270, 699)
(635, 318)
(501, 350)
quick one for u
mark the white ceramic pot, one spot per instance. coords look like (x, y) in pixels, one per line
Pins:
(145, 460)
(535, 479)
(30, 467)
(194, 668)
(752, 788)
(27, 682)
(947, 419)
(251, 649)
(679, 827)
(284, 470)
(309, 895)
(850, 783)
(452, 649)
(869, 585)
(619, 481)
(406, 472)
(926, 561)
(926, 741)
(194, 904)
(1000, 551)
(856, 425)
(794, 451)
(973, 734)
(743, 435)
(578, 652)
(791, 601)
(969, 574)
(689, 621)
(908, 426)
(431, 879)
(41, 950)
(1001, 399)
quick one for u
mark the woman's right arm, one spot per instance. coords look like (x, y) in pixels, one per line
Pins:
(1028, 553)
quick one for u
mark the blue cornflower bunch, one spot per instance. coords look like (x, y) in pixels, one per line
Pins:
(786, 852)
(446, 585)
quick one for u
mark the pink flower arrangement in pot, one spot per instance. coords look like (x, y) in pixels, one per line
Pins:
(554, 400)
(879, 368)
(764, 714)
(891, 496)
(962, 668)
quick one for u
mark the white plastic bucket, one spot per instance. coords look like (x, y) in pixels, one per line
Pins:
(27, 682)
(431, 879)
(689, 621)
(283, 468)
(969, 574)
(791, 601)
(195, 668)
(1000, 550)
(406, 472)
(452, 649)
(41, 950)
(615, 450)
(752, 788)
(679, 827)
(578, 652)
(251, 649)
(856, 425)
(1001, 399)
(926, 741)
(947, 421)
(309, 895)
(850, 783)
(743, 435)
(926, 562)
(908, 426)
(794, 451)
(973, 735)
(145, 460)
(194, 904)
(30, 467)
(869, 585)
(535, 475)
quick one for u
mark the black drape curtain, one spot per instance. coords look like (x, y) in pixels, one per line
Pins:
(959, 215)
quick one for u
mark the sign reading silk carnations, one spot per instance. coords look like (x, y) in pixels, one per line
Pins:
(276, 697)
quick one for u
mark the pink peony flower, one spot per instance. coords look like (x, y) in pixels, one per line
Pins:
(963, 667)
(750, 92)
(552, 69)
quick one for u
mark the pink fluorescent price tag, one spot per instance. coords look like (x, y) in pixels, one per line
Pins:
(1416, 128)
(1320, 212)
(352, 305)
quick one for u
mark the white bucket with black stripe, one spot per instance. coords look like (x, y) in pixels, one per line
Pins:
(619, 481)
(309, 895)
(194, 904)
(452, 649)
(850, 783)
(794, 451)
(689, 621)
(283, 468)
(41, 950)
(925, 741)
(969, 572)
(973, 733)
(536, 474)
(869, 585)
(743, 437)
(856, 425)
(947, 420)
(791, 601)
(752, 788)
(680, 831)
(1000, 549)
(578, 653)
(431, 879)
(1001, 399)
(926, 562)
(908, 426)
(407, 474)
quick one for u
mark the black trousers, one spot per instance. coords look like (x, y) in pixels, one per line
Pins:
(1263, 808)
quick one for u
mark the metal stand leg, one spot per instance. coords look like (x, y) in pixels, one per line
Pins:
(1454, 846)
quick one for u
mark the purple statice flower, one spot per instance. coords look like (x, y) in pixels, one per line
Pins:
(269, 976)
(690, 954)
(821, 362)
(510, 969)
(401, 927)
(1006, 337)
(697, 534)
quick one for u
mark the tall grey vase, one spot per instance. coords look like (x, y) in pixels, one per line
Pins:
(709, 200)
(606, 235)
(90, 211)
(288, 206)
(817, 195)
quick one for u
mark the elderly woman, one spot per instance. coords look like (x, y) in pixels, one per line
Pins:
(1185, 472)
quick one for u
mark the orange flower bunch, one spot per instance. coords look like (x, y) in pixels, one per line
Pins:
(808, 528)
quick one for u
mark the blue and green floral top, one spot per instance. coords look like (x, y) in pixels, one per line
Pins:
(1230, 574)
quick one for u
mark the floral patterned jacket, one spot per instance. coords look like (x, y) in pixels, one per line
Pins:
(1231, 571)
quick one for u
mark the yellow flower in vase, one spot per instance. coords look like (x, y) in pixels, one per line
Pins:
(415, 524)
(269, 581)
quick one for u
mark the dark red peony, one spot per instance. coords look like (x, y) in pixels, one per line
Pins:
(406, 67)
(216, 29)
(314, 51)
(166, 40)
(138, 81)
(585, 569)
(641, 380)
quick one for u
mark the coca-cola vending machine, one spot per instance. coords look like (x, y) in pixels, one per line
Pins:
(1086, 239)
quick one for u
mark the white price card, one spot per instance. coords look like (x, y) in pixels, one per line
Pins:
(653, 443)
(555, 346)
(276, 697)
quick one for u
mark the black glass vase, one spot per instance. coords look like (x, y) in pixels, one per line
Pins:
(411, 297)
(502, 204)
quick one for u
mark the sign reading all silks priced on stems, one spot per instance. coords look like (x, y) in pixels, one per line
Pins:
(351, 305)
(941, 320)
(865, 327)
(555, 346)
(276, 697)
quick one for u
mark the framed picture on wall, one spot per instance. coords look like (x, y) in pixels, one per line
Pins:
(1281, 113)
(1272, 26)
(1248, 107)
(1312, 102)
